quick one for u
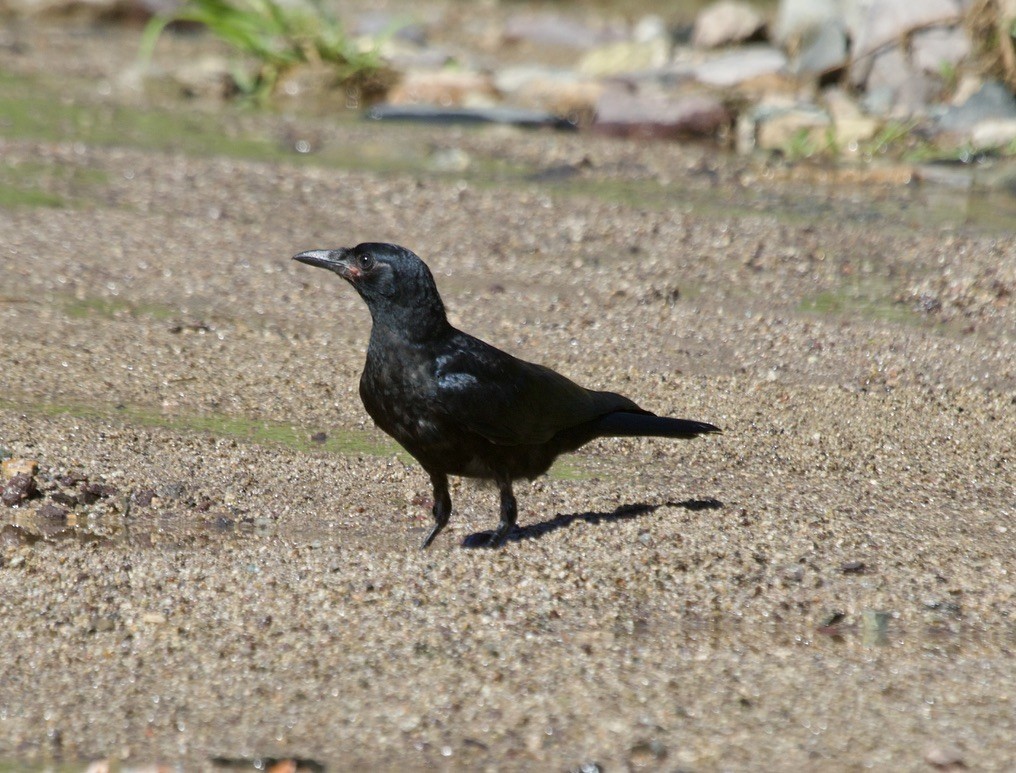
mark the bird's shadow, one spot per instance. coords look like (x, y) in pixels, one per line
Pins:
(621, 513)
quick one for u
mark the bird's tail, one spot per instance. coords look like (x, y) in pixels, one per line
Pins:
(628, 424)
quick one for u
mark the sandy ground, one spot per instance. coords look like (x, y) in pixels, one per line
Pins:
(827, 586)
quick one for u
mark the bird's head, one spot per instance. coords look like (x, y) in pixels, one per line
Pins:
(396, 285)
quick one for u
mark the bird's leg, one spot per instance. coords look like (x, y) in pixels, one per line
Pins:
(509, 512)
(442, 506)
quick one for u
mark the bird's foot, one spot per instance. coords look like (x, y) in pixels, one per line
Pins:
(499, 536)
(430, 537)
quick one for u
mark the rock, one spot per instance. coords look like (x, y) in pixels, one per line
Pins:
(622, 112)
(889, 21)
(86, 11)
(380, 24)
(626, 57)
(936, 49)
(725, 22)
(822, 49)
(445, 88)
(993, 134)
(52, 512)
(402, 56)
(650, 28)
(783, 125)
(992, 102)
(11, 467)
(945, 756)
(850, 125)
(797, 18)
(19, 489)
(741, 65)
(895, 88)
(449, 160)
(207, 77)
(552, 29)
(562, 92)
(647, 754)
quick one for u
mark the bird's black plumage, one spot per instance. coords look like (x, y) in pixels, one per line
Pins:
(459, 405)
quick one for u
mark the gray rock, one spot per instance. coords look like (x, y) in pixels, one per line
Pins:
(933, 49)
(382, 24)
(888, 21)
(822, 49)
(624, 112)
(901, 91)
(553, 29)
(797, 18)
(725, 22)
(87, 11)
(992, 102)
(741, 65)
(650, 28)
(561, 91)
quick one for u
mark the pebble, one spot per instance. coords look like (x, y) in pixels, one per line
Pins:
(627, 113)
(742, 64)
(725, 22)
(11, 467)
(18, 490)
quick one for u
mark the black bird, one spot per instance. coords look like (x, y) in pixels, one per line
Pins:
(459, 405)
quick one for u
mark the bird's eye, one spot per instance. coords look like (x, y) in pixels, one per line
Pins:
(365, 262)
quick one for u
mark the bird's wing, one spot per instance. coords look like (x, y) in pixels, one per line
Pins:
(510, 401)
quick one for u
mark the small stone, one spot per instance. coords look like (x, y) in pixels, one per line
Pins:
(445, 88)
(993, 101)
(11, 467)
(888, 21)
(93, 492)
(797, 18)
(728, 21)
(742, 65)
(626, 57)
(854, 567)
(850, 124)
(52, 512)
(207, 77)
(19, 489)
(621, 112)
(944, 756)
(143, 498)
(993, 134)
(782, 126)
(823, 50)
(933, 49)
(647, 754)
(551, 29)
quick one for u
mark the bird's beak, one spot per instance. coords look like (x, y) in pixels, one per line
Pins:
(333, 260)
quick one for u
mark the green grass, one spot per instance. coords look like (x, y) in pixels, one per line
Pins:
(247, 430)
(37, 184)
(278, 36)
(110, 308)
(864, 300)
(222, 425)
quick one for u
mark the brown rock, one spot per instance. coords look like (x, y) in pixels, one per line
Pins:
(18, 489)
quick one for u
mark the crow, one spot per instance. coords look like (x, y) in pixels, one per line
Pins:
(460, 406)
